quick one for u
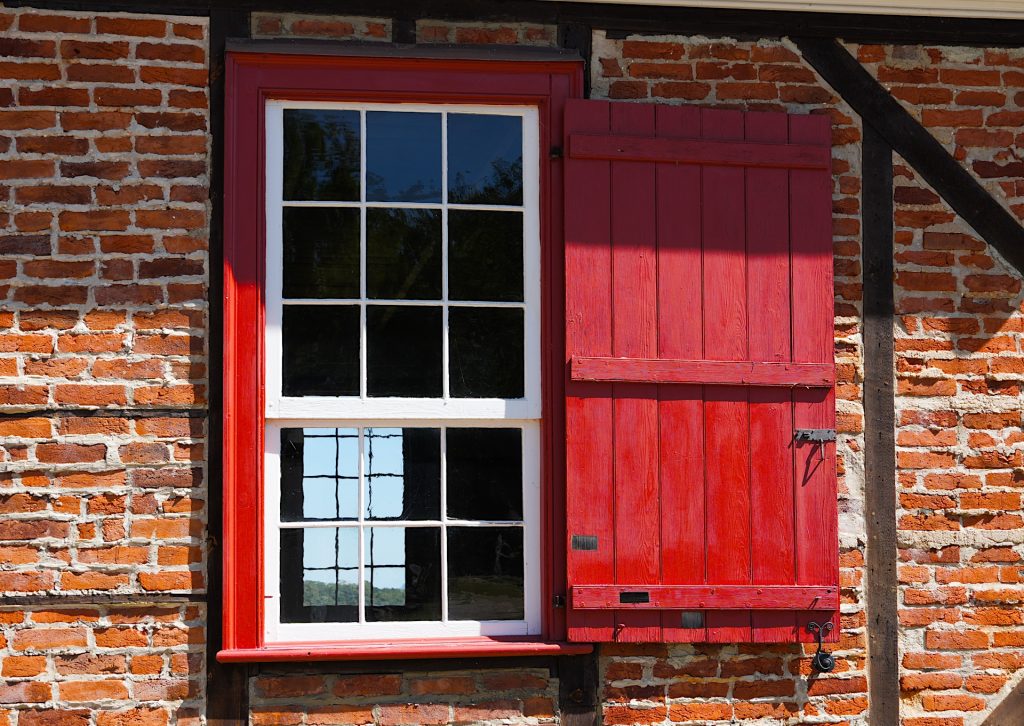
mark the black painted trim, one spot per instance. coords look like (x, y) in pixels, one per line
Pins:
(980, 32)
(947, 176)
(880, 431)
(227, 686)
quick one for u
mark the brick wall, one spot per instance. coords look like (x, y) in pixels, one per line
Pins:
(103, 373)
(103, 278)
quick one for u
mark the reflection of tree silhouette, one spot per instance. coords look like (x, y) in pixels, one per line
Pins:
(503, 186)
(404, 256)
(321, 157)
(377, 190)
(321, 252)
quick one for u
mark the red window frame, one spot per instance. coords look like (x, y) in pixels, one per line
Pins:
(252, 78)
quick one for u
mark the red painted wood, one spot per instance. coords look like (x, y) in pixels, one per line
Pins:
(771, 412)
(726, 430)
(589, 423)
(813, 301)
(713, 153)
(393, 650)
(708, 373)
(635, 333)
(707, 597)
(702, 375)
(680, 335)
(251, 79)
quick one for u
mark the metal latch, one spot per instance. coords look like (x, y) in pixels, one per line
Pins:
(816, 436)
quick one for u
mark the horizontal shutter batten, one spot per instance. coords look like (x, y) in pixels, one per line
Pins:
(702, 151)
(705, 597)
(702, 372)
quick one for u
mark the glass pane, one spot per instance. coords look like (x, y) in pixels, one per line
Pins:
(321, 252)
(325, 588)
(485, 474)
(485, 255)
(485, 159)
(403, 350)
(321, 155)
(485, 573)
(321, 350)
(403, 254)
(402, 470)
(403, 157)
(486, 352)
(402, 573)
(319, 474)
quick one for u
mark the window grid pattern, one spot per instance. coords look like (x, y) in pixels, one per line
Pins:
(366, 524)
(364, 300)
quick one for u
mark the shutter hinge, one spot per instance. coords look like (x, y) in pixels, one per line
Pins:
(556, 152)
(558, 601)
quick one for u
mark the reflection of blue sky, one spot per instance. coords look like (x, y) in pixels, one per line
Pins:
(331, 467)
(403, 156)
(475, 142)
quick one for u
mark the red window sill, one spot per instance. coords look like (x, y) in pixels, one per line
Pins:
(391, 650)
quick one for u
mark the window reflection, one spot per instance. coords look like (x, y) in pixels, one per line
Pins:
(485, 159)
(403, 157)
(402, 473)
(321, 155)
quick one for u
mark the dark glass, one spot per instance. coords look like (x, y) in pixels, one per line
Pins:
(485, 255)
(325, 588)
(321, 155)
(486, 352)
(321, 252)
(319, 474)
(485, 573)
(402, 573)
(403, 351)
(402, 471)
(321, 350)
(485, 474)
(403, 254)
(403, 157)
(485, 159)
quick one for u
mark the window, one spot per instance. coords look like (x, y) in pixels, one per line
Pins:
(394, 477)
(403, 371)
(508, 371)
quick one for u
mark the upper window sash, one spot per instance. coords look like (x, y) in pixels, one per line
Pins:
(279, 406)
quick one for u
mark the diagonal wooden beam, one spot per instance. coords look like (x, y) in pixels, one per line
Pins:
(961, 190)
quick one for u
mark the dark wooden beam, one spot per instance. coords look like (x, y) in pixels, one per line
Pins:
(624, 18)
(1010, 711)
(880, 431)
(947, 176)
(227, 686)
(579, 690)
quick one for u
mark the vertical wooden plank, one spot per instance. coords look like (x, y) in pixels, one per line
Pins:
(634, 334)
(680, 335)
(772, 532)
(813, 302)
(589, 443)
(726, 424)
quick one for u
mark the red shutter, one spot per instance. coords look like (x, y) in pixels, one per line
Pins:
(699, 340)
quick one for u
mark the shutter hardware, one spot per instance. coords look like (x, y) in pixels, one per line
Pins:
(822, 660)
(816, 436)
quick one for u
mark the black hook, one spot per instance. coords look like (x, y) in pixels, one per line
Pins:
(822, 661)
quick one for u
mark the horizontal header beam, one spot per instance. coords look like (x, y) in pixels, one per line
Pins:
(702, 372)
(1006, 9)
(699, 151)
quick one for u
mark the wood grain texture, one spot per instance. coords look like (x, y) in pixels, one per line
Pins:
(680, 335)
(698, 342)
(706, 597)
(816, 506)
(713, 153)
(589, 443)
(726, 419)
(710, 373)
(772, 530)
(635, 333)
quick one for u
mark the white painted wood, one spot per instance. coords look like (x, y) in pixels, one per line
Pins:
(1007, 9)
